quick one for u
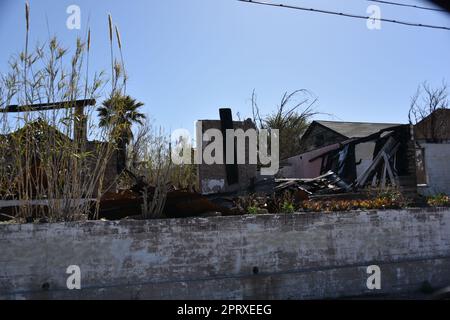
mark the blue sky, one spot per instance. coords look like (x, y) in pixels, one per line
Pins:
(187, 58)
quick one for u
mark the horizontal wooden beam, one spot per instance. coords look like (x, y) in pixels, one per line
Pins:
(49, 106)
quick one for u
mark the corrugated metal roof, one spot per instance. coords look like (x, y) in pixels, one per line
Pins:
(356, 129)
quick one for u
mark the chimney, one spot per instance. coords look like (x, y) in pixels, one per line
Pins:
(226, 121)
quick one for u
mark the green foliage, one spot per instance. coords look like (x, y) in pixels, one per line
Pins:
(347, 205)
(287, 207)
(252, 204)
(392, 194)
(284, 203)
(439, 200)
(252, 210)
(120, 113)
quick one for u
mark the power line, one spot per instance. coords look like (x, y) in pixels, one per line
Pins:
(407, 5)
(341, 14)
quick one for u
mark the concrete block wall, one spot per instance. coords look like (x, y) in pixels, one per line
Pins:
(294, 256)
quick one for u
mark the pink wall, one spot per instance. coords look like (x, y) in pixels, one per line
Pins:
(300, 166)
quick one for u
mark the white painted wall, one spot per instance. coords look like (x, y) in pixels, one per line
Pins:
(437, 165)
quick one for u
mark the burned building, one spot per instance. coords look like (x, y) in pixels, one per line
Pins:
(361, 154)
(351, 156)
(323, 137)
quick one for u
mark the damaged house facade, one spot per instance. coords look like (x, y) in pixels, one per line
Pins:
(412, 158)
(359, 155)
(340, 157)
(322, 137)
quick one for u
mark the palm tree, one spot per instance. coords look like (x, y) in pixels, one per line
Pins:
(118, 114)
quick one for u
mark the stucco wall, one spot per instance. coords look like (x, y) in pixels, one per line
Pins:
(297, 256)
(437, 168)
(301, 166)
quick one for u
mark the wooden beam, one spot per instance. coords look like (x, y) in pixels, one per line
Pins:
(389, 148)
(389, 169)
(49, 106)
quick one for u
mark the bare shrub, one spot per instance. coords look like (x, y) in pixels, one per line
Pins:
(291, 117)
(430, 101)
(426, 100)
(149, 161)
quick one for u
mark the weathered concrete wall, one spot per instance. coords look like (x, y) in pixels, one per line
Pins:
(297, 256)
(437, 168)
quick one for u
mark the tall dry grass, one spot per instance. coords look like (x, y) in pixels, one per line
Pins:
(42, 167)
